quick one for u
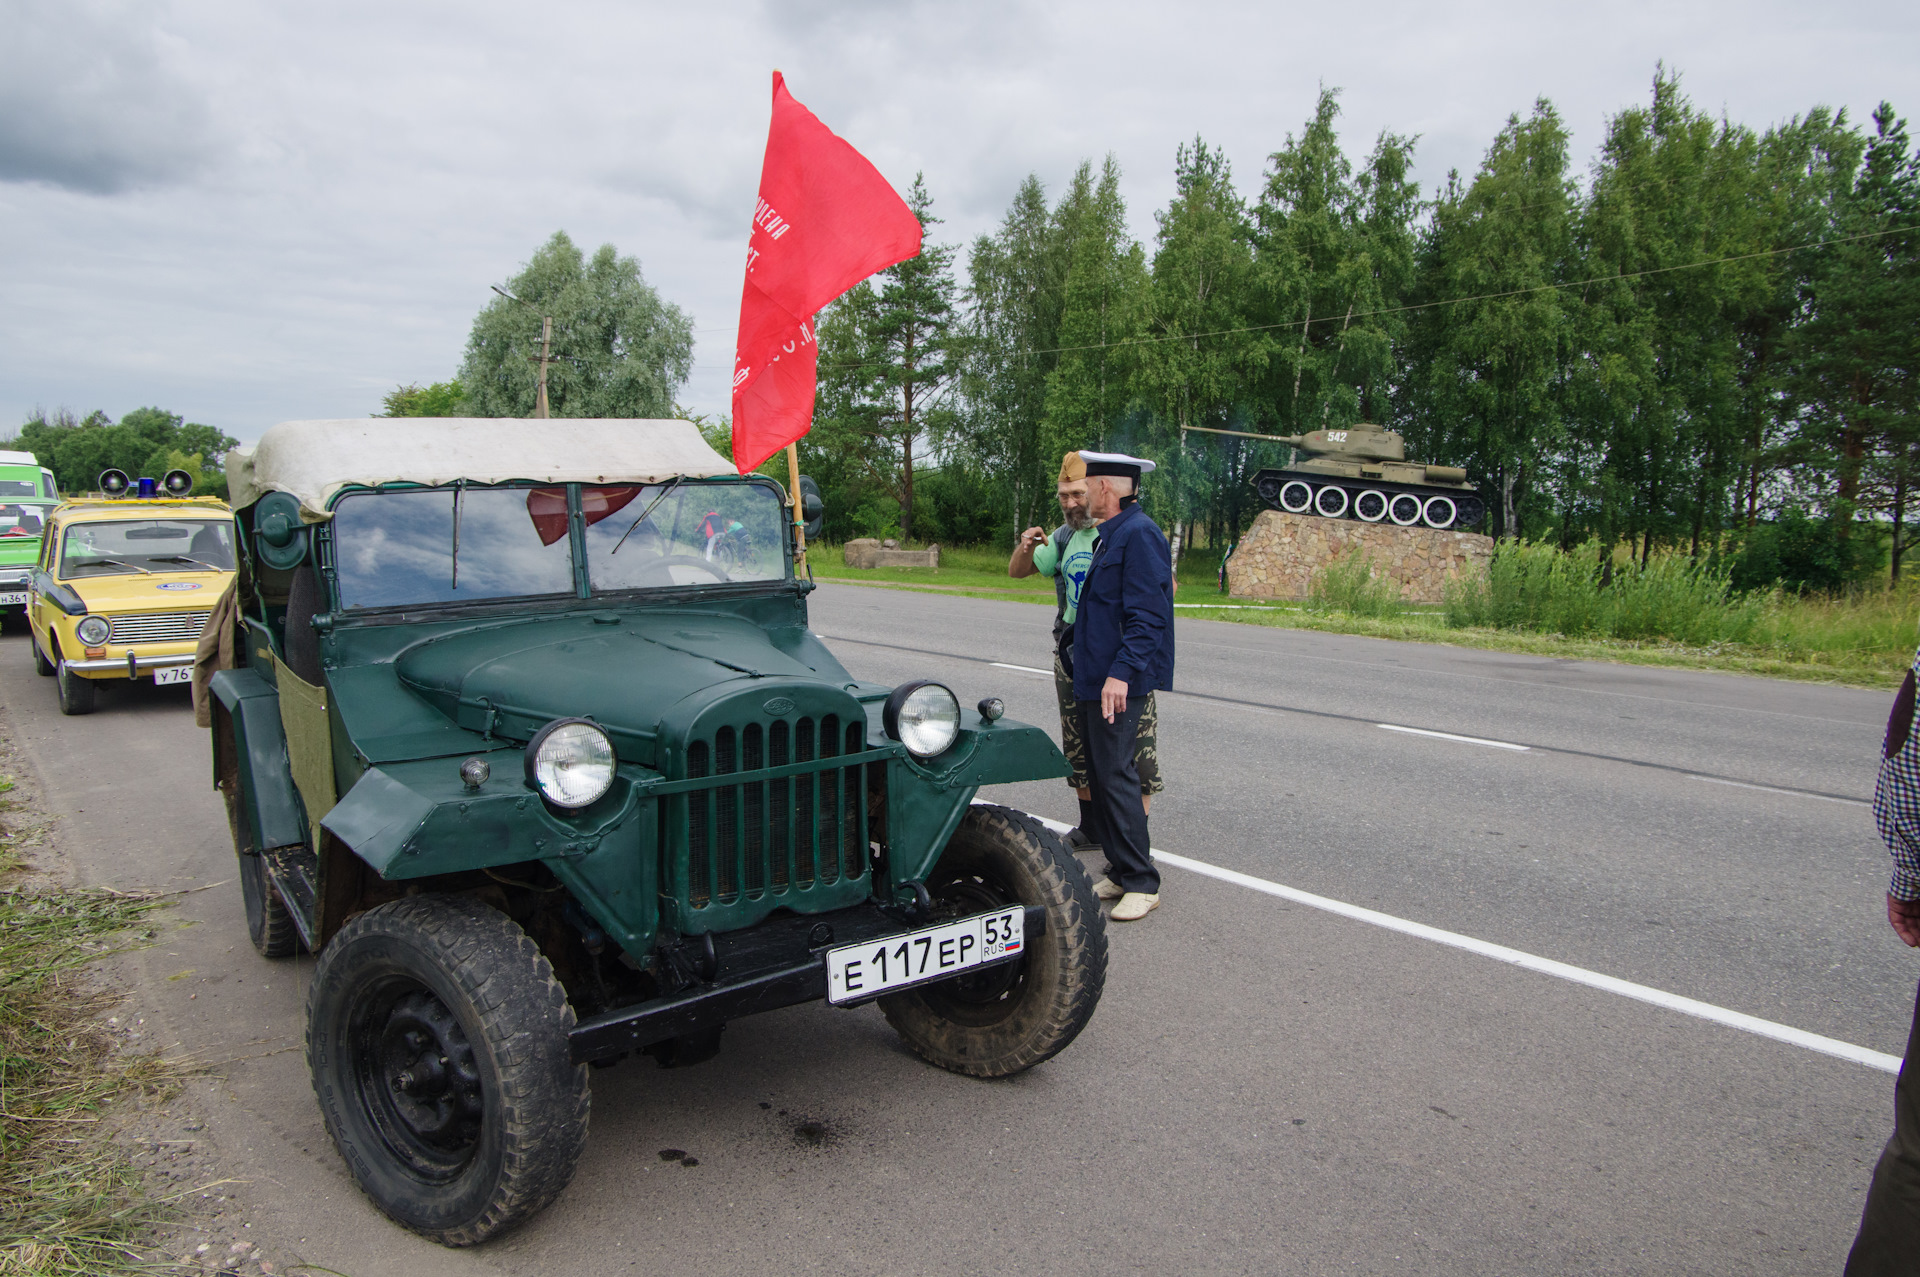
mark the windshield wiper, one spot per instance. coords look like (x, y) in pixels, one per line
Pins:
(459, 491)
(673, 483)
(94, 563)
(181, 558)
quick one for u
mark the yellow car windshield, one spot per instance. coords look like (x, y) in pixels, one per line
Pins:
(146, 545)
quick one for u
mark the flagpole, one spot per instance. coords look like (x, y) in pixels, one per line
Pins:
(799, 518)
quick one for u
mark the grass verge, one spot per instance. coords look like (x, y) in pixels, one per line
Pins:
(71, 1201)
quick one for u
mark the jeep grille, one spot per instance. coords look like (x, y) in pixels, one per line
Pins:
(780, 839)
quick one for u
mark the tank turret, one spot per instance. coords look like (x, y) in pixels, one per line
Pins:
(1362, 472)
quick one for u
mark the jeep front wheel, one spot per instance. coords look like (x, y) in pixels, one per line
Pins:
(437, 1040)
(1007, 1018)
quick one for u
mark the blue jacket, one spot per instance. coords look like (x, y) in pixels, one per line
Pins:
(1124, 628)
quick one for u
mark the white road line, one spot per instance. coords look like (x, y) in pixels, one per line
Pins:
(1470, 740)
(1024, 669)
(1791, 793)
(1532, 962)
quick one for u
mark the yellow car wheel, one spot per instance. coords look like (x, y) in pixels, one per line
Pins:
(76, 693)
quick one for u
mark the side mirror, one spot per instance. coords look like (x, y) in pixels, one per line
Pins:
(813, 511)
(279, 535)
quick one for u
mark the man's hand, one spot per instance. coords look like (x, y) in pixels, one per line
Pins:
(1113, 700)
(1903, 914)
(1021, 564)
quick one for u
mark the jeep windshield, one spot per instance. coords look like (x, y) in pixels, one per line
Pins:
(130, 546)
(471, 543)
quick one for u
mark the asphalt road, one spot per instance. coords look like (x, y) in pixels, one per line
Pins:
(1266, 1087)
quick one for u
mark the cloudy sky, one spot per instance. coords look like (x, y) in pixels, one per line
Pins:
(250, 212)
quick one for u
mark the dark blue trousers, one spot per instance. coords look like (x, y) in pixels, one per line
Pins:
(1888, 1244)
(1120, 818)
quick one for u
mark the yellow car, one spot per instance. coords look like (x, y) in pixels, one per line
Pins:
(123, 587)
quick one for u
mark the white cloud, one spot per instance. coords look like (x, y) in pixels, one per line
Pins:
(248, 213)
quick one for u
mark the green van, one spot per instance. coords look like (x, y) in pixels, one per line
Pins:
(27, 497)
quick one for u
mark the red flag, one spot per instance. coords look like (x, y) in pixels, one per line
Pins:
(825, 221)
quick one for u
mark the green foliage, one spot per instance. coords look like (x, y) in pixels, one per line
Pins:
(1350, 584)
(618, 349)
(147, 442)
(1538, 586)
(1800, 552)
(441, 399)
(888, 361)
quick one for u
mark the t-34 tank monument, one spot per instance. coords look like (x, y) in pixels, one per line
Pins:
(1355, 492)
(1362, 472)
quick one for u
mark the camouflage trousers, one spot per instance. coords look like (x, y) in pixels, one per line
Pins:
(1146, 751)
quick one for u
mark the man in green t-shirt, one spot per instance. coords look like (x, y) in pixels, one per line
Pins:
(1065, 556)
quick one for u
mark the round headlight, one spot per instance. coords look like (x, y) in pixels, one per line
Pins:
(925, 717)
(570, 761)
(92, 631)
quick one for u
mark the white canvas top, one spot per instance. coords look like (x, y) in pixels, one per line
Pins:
(18, 459)
(315, 459)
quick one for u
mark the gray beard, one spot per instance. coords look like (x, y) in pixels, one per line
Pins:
(1079, 520)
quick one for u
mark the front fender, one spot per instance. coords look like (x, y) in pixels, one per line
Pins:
(926, 801)
(267, 794)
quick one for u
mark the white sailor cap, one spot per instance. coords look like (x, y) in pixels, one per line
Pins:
(1116, 463)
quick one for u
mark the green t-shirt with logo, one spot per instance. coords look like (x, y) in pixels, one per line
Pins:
(1069, 569)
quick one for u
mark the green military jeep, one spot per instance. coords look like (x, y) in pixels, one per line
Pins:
(525, 736)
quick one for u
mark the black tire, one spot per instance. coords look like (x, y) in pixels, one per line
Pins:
(76, 693)
(468, 1147)
(41, 665)
(1006, 1019)
(269, 925)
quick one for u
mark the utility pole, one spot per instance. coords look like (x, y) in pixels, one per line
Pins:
(545, 356)
(546, 347)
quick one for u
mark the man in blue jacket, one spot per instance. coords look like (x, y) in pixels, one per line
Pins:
(1122, 652)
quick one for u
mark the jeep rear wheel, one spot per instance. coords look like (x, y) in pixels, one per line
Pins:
(437, 1040)
(269, 925)
(1004, 1019)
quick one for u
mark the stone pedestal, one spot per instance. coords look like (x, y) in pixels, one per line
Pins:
(870, 552)
(1281, 552)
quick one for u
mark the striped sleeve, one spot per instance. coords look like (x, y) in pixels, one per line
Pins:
(1896, 793)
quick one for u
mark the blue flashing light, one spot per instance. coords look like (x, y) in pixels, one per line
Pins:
(148, 489)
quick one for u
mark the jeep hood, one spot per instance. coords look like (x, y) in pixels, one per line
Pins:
(624, 671)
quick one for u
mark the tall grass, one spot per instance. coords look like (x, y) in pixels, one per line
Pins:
(1536, 586)
(1350, 584)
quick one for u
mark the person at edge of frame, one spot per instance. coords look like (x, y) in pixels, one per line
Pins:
(1889, 1239)
(1065, 556)
(1122, 650)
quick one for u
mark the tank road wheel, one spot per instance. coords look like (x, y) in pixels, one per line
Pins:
(269, 925)
(1370, 506)
(1295, 497)
(437, 1040)
(41, 665)
(1472, 510)
(1331, 501)
(1009, 1018)
(1268, 489)
(76, 693)
(1440, 512)
(1404, 509)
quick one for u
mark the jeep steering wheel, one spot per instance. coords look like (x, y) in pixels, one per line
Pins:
(665, 561)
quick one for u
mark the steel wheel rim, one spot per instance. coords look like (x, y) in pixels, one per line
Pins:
(1453, 512)
(1320, 501)
(1302, 497)
(1395, 506)
(416, 1079)
(1370, 499)
(982, 997)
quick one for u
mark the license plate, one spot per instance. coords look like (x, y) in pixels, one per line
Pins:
(13, 598)
(860, 971)
(173, 674)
